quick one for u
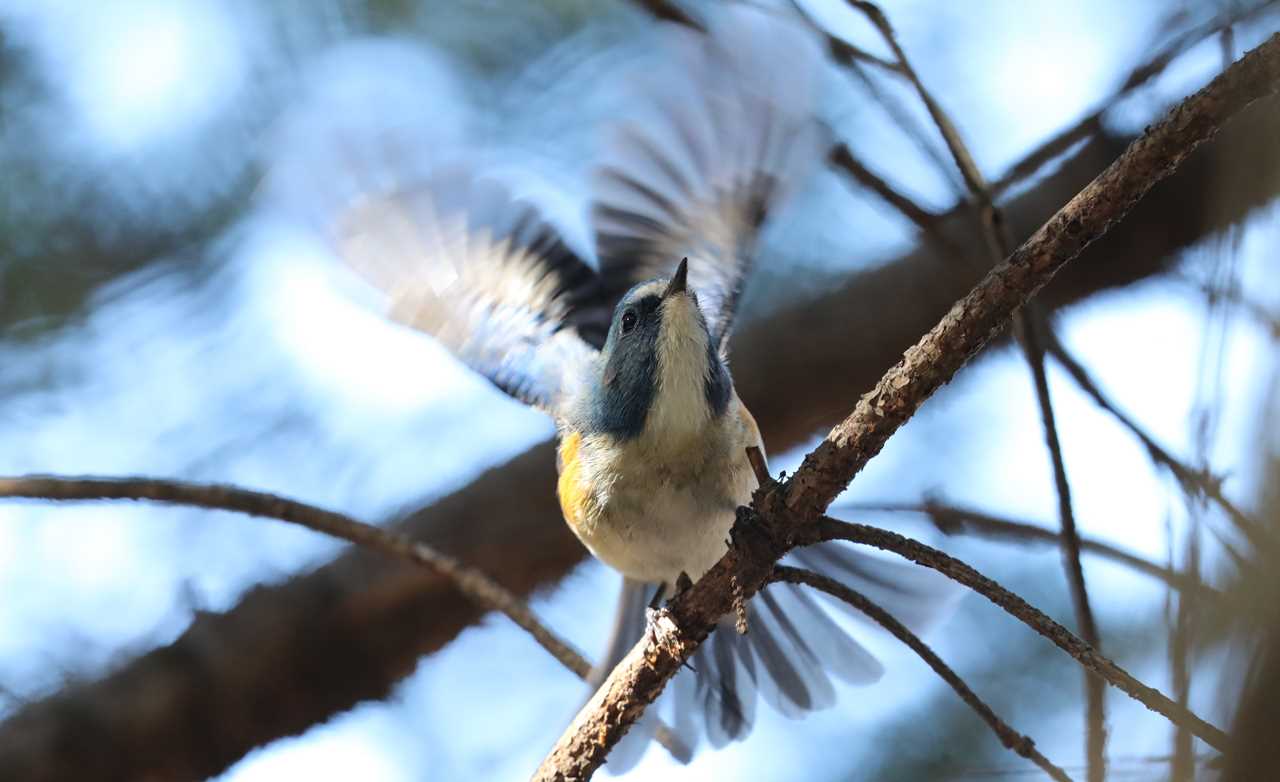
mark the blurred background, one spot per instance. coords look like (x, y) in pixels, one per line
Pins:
(166, 309)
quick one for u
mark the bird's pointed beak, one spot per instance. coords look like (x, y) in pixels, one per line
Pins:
(679, 280)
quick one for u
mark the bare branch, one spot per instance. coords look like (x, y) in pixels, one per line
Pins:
(1197, 483)
(964, 161)
(1264, 317)
(1034, 328)
(473, 583)
(1139, 75)
(952, 520)
(1028, 326)
(847, 54)
(1010, 738)
(842, 157)
(470, 581)
(831, 529)
(779, 513)
(758, 466)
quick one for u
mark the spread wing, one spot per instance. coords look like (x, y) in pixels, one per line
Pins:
(458, 258)
(725, 123)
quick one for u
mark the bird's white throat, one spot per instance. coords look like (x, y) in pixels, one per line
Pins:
(680, 408)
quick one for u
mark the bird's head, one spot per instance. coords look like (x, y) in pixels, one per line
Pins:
(660, 374)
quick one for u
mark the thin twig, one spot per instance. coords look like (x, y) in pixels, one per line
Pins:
(471, 582)
(758, 466)
(842, 157)
(1010, 738)
(1197, 483)
(1032, 332)
(847, 54)
(953, 520)
(1137, 77)
(778, 514)
(968, 169)
(1182, 762)
(828, 529)
(1256, 310)
(474, 584)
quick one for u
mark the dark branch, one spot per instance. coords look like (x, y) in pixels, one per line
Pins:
(843, 158)
(1139, 75)
(473, 583)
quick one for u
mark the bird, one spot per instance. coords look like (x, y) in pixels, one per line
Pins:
(630, 355)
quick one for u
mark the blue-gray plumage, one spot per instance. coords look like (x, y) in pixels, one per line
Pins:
(619, 399)
(620, 396)
(652, 434)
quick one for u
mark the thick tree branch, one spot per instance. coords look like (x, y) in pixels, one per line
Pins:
(1010, 738)
(781, 512)
(976, 318)
(1031, 328)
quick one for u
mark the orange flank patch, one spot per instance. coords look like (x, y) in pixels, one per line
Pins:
(573, 495)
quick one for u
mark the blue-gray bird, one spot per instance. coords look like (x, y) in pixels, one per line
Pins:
(629, 358)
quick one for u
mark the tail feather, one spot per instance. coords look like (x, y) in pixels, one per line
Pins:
(916, 597)
(793, 651)
(836, 650)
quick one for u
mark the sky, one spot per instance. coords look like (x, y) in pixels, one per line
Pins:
(271, 374)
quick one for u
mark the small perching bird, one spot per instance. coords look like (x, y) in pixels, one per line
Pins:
(630, 358)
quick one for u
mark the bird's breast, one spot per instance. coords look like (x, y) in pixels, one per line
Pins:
(653, 509)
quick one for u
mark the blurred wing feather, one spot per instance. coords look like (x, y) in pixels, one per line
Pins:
(461, 260)
(718, 134)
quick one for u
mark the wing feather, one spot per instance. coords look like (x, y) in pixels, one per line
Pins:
(730, 124)
(457, 257)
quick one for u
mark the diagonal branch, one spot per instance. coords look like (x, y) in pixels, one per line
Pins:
(928, 223)
(779, 513)
(1028, 327)
(1010, 738)
(1034, 328)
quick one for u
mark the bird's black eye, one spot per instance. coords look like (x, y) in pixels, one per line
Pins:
(628, 321)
